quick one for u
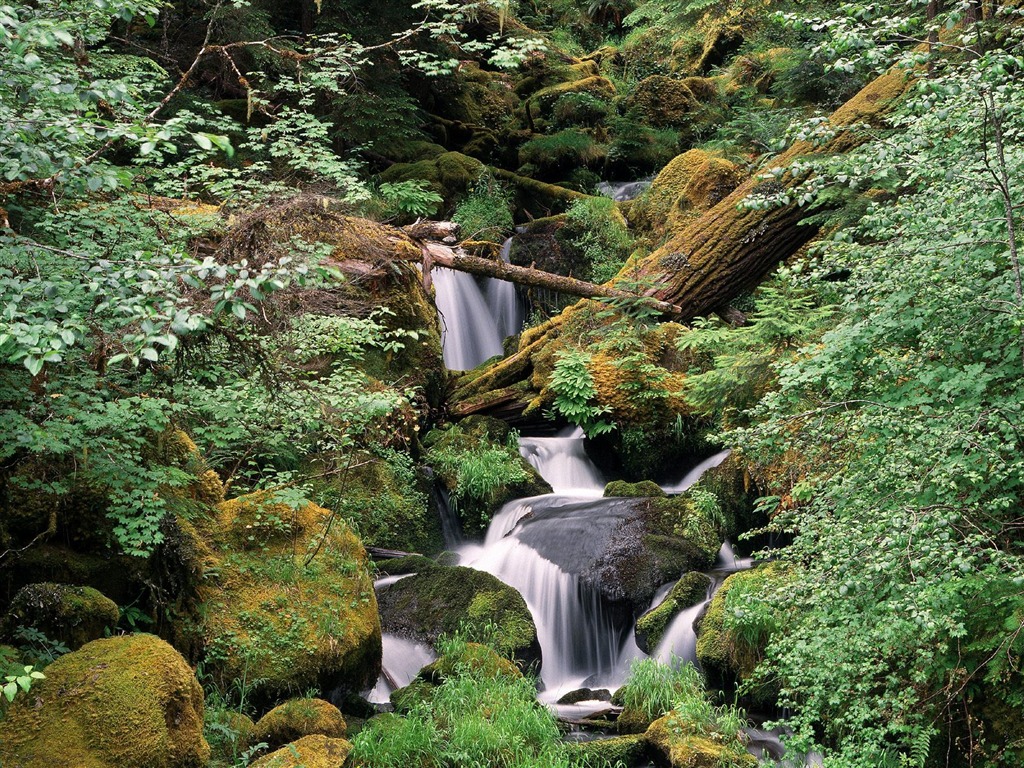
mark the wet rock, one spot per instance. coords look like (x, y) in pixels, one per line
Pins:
(586, 694)
(686, 592)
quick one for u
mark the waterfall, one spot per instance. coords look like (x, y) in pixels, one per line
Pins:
(621, 191)
(507, 309)
(694, 474)
(469, 334)
(680, 639)
(539, 546)
(476, 315)
(563, 462)
(402, 660)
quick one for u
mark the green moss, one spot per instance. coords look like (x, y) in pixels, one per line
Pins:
(275, 619)
(71, 615)
(729, 651)
(563, 151)
(308, 752)
(662, 102)
(610, 753)
(598, 87)
(450, 175)
(678, 744)
(479, 660)
(443, 600)
(228, 732)
(409, 564)
(643, 489)
(417, 692)
(297, 718)
(115, 702)
(688, 591)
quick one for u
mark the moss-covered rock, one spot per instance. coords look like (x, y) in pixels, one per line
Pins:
(544, 100)
(115, 702)
(642, 489)
(688, 591)
(289, 603)
(676, 743)
(480, 659)
(70, 615)
(450, 175)
(443, 599)
(661, 101)
(660, 539)
(691, 183)
(480, 466)
(419, 691)
(395, 566)
(308, 752)
(297, 718)
(617, 751)
(729, 655)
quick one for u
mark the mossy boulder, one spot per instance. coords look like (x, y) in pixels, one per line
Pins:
(729, 654)
(662, 102)
(395, 566)
(297, 718)
(450, 175)
(676, 743)
(659, 539)
(686, 592)
(617, 751)
(119, 577)
(444, 599)
(308, 752)
(544, 100)
(642, 489)
(289, 601)
(481, 660)
(691, 183)
(120, 701)
(71, 615)
(737, 490)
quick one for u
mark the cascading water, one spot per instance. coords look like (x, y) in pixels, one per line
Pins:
(693, 475)
(402, 661)
(476, 315)
(507, 309)
(680, 638)
(563, 462)
(621, 191)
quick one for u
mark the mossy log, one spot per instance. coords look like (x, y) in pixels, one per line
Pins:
(444, 256)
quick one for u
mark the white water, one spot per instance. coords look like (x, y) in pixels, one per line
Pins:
(620, 191)
(402, 661)
(680, 638)
(507, 309)
(476, 315)
(564, 463)
(693, 475)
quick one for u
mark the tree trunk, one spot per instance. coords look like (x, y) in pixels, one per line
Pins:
(435, 253)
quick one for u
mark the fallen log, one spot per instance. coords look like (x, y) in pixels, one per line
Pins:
(443, 256)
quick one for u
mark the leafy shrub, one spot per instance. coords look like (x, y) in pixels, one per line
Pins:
(575, 393)
(486, 213)
(564, 149)
(580, 109)
(595, 229)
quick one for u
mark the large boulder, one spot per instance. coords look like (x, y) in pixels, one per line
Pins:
(69, 615)
(675, 742)
(443, 600)
(288, 602)
(116, 702)
(308, 752)
(658, 539)
(297, 718)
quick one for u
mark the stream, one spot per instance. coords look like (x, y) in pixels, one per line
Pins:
(541, 544)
